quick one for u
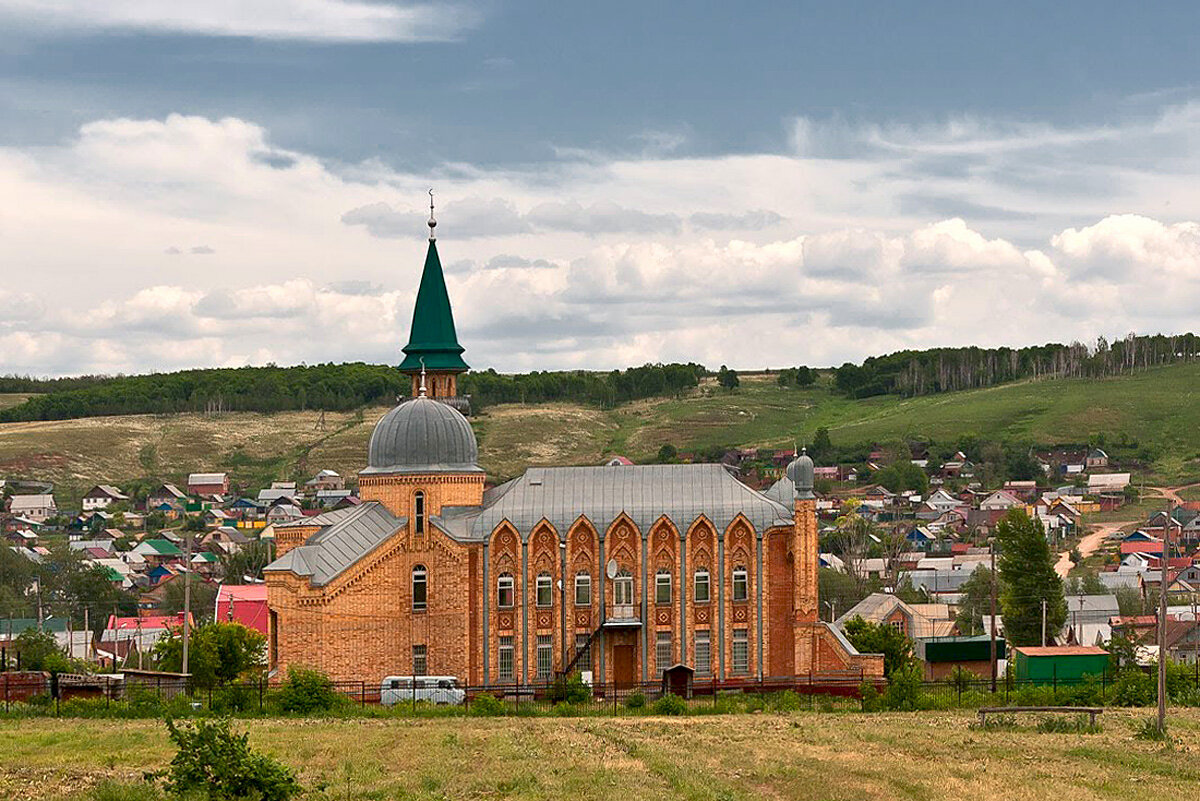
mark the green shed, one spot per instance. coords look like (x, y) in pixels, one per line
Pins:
(1054, 663)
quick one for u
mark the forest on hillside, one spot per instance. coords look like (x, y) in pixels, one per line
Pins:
(927, 372)
(330, 387)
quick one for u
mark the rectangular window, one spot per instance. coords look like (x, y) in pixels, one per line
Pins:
(583, 590)
(741, 651)
(583, 647)
(504, 591)
(506, 658)
(701, 596)
(662, 650)
(623, 590)
(545, 590)
(741, 584)
(420, 660)
(545, 656)
(662, 588)
(703, 653)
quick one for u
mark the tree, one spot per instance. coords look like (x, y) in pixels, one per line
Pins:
(39, 651)
(837, 589)
(204, 598)
(727, 378)
(822, 446)
(248, 561)
(667, 453)
(218, 653)
(902, 475)
(1027, 576)
(976, 601)
(16, 574)
(881, 638)
(71, 586)
(852, 538)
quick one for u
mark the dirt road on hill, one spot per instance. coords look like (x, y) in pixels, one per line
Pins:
(1090, 543)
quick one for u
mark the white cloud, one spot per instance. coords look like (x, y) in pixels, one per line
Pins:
(754, 260)
(310, 20)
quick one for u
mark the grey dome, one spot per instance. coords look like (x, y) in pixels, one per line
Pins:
(800, 472)
(422, 436)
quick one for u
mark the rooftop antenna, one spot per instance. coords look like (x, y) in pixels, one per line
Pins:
(421, 390)
(432, 222)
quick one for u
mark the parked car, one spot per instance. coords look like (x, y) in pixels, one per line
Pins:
(435, 689)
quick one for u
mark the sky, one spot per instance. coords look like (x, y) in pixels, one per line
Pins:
(757, 184)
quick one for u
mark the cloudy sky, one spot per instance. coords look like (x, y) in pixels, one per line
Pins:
(757, 184)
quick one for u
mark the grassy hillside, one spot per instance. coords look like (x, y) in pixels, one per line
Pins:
(1156, 407)
(853, 756)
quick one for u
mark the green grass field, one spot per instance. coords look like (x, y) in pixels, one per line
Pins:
(852, 756)
(1154, 407)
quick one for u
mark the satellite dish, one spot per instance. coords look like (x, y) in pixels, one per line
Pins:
(611, 570)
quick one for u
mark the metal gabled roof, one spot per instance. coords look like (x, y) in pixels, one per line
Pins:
(682, 492)
(345, 537)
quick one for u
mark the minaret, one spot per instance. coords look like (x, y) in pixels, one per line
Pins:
(432, 342)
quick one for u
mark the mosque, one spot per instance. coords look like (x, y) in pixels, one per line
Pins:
(618, 571)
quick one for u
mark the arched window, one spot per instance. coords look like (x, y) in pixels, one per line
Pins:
(420, 588)
(741, 584)
(505, 591)
(419, 512)
(583, 589)
(623, 589)
(701, 587)
(662, 587)
(545, 590)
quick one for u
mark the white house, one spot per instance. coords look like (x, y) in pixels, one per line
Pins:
(102, 496)
(999, 500)
(35, 508)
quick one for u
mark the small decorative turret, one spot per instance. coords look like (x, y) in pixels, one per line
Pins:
(800, 473)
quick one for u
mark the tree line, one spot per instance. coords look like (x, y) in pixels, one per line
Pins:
(329, 387)
(927, 372)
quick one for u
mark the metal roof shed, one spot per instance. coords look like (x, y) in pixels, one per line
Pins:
(1056, 663)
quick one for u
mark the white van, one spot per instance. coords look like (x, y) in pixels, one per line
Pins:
(435, 689)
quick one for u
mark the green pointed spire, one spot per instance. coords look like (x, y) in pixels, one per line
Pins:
(432, 338)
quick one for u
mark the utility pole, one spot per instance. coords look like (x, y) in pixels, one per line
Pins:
(187, 595)
(1043, 621)
(1162, 624)
(992, 549)
(87, 629)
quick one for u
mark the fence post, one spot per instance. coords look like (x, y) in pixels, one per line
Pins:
(261, 680)
(363, 693)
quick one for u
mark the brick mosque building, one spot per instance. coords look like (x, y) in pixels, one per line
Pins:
(622, 571)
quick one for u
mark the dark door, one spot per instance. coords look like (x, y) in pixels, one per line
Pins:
(623, 659)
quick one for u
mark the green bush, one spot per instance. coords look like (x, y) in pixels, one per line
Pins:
(904, 688)
(307, 691)
(1133, 688)
(669, 704)
(570, 689)
(487, 706)
(212, 760)
(869, 694)
(234, 698)
(563, 709)
(635, 700)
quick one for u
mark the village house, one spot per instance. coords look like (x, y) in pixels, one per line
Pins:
(326, 480)
(167, 498)
(208, 484)
(102, 496)
(36, 508)
(885, 609)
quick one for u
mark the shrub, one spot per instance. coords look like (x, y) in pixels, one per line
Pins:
(212, 760)
(570, 689)
(307, 691)
(1133, 688)
(871, 701)
(487, 706)
(563, 709)
(669, 704)
(1147, 729)
(234, 698)
(635, 700)
(904, 688)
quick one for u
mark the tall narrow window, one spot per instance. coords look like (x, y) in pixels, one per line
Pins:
(662, 587)
(623, 589)
(419, 512)
(662, 651)
(583, 647)
(505, 592)
(420, 588)
(583, 589)
(545, 656)
(701, 595)
(703, 652)
(420, 660)
(545, 589)
(741, 651)
(741, 584)
(506, 658)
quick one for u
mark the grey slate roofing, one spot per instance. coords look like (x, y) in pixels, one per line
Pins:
(682, 492)
(346, 536)
(422, 436)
